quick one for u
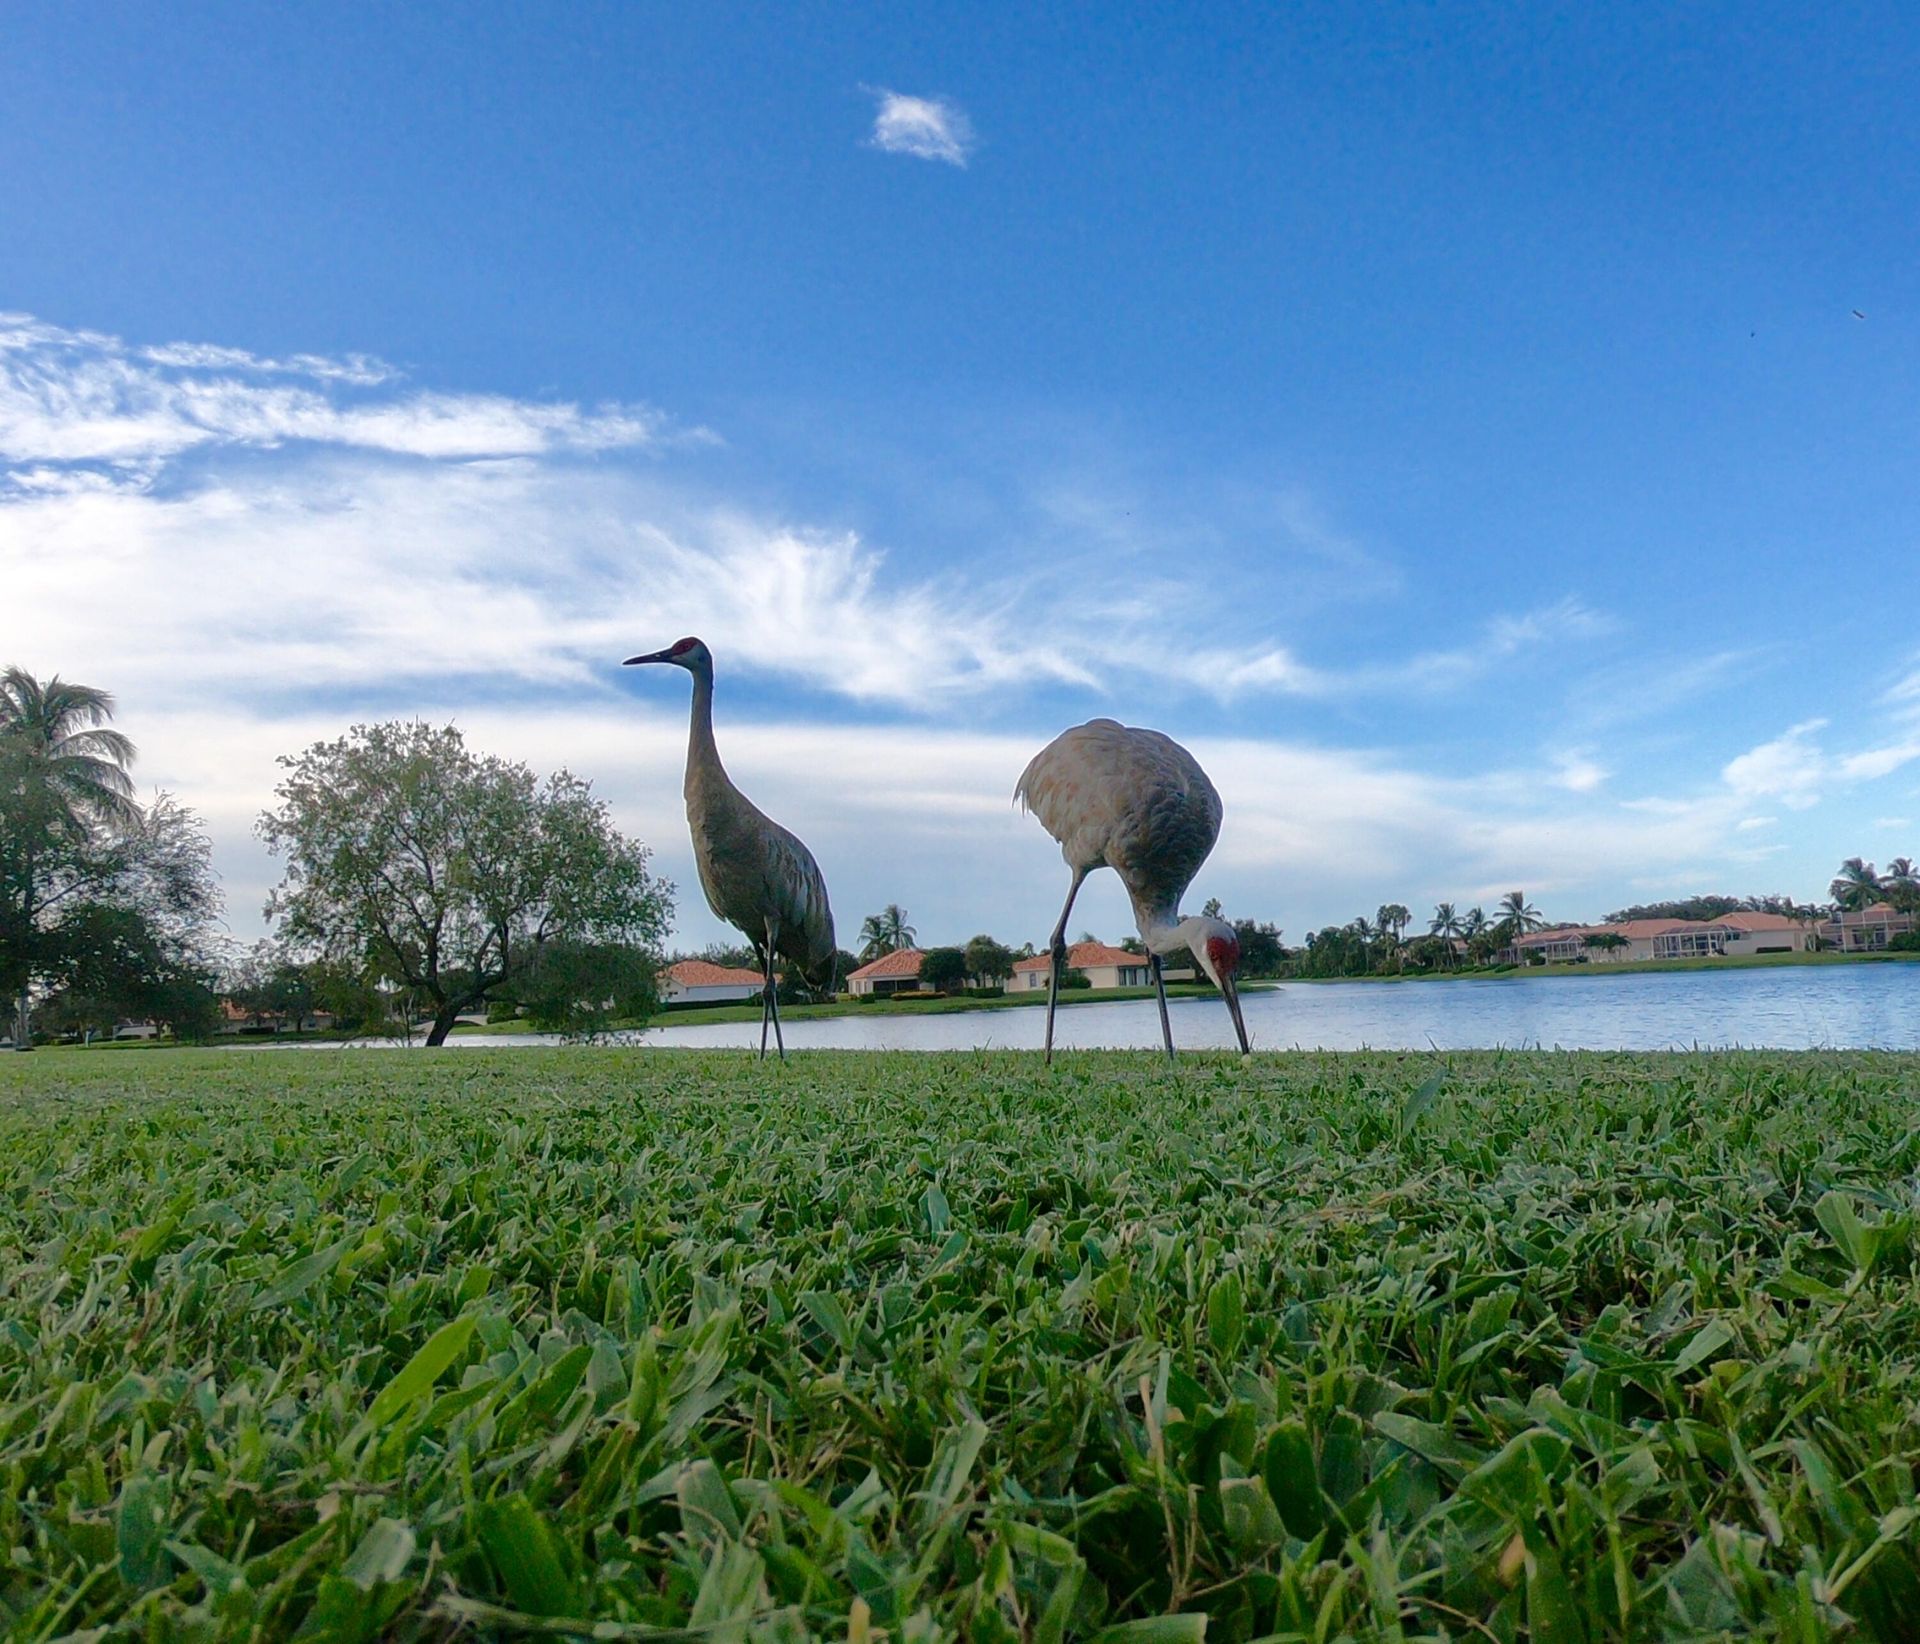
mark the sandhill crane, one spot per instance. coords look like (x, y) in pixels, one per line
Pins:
(1137, 802)
(757, 876)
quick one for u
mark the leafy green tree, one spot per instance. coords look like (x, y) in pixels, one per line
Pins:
(448, 873)
(348, 993)
(944, 969)
(583, 988)
(1211, 907)
(292, 994)
(1856, 886)
(116, 963)
(1606, 941)
(1261, 952)
(885, 932)
(123, 921)
(989, 963)
(1392, 920)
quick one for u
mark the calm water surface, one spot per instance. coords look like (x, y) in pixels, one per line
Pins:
(1867, 1006)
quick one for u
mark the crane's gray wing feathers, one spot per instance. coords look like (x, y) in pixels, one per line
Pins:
(753, 870)
(1127, 798)
(795, 893)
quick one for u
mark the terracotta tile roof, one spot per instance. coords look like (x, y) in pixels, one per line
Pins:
(1565, 933)
(1085, 955)
(900, 962)
(698, 973)
(1758, 921)
(1641, 930)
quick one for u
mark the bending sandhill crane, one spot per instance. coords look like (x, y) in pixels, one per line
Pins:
(757, 876)
(1137, 802)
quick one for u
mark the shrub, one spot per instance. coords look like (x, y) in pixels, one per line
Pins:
(1906, 942)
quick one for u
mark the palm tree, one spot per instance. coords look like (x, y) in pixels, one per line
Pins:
(64, 760)
(1901, 882)
(80, 762)
(1518, 915)
(1366, 932)
(1445, 924)
(1392, 919)
(885, 932)
(1856, 885)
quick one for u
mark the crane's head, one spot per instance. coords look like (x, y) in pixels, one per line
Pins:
(691, 654)
(1217, 948)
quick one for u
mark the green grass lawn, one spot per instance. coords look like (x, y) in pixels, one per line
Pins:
(391, 1344)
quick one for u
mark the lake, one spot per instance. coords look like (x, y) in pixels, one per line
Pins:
(1812, 1007)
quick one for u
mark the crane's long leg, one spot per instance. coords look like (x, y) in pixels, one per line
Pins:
(1160, 985)
(1057, 949)
(780, 1044)
(766, 999)
(773, 1004)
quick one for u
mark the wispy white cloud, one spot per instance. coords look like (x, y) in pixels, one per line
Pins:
(71, 398)
(1904, 693)
(928, 128)
(1790, 768)
(1797, 771)
(385, 508)
(1646, 686)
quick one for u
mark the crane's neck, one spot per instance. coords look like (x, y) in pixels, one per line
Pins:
(1162, 930)
(703, 754)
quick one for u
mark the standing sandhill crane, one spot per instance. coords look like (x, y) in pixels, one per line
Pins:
(1137, 802)
(757, 876)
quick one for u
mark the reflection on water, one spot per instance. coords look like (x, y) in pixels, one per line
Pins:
(1865, 1006)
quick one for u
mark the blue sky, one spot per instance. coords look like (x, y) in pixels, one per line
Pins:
(1452, 422)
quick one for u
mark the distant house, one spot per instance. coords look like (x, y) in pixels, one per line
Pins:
(896, 972)
(1732, 935)
(696, 982)
(1866, 930)
(1102, 966)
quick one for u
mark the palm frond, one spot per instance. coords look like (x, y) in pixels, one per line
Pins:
(95, 744)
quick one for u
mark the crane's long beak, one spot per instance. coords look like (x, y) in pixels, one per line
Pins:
(1230, 991)
(651, 656)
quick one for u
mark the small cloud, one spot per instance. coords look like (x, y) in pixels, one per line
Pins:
(1892, 824)
(1577, 773)
(928, 128)
(1790, 768)
(1748, 824)
(1875, 762)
